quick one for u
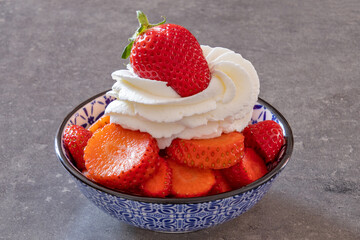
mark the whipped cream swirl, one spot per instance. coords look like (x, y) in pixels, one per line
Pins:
(224, 106)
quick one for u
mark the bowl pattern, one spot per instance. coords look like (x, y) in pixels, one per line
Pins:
(175, 217)
(91, 112)
(170, 215)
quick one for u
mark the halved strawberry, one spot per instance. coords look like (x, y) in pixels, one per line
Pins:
(190, 182)
(159, 185)
(250, 168)
(266, 138)
(221, 184)
(75, 139)
(120, 158)
(215, 153)
(101, 122)
(169, 53)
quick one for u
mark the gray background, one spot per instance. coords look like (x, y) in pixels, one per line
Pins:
(55, 54)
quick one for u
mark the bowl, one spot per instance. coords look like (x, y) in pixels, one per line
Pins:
(172, 215)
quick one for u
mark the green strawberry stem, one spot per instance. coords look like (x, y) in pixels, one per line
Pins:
(144, 25)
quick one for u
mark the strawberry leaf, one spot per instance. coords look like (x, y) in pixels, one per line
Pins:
(144, 25)
(127, 50)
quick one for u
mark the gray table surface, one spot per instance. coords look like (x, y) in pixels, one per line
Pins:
(55, 54)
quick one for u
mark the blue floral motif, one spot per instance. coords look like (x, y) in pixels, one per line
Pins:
(91, 112)
(175, 217)
(261, 113)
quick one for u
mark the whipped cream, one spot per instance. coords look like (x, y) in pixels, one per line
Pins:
(151, 106)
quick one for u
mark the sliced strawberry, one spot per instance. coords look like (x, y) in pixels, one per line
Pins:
(169, 53)
(266, 138)
(75, 139)
(159, 185)
(136, 190)
(249, 169)
(221, 184)
(120, 158)
(190, 182)
(86, 174)
(215, 153)
(101, 122)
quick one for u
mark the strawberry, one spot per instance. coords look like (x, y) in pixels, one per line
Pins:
(249, 169)
(169, 53)
(105, 119)
(75, 139)
(133, 190)
(190, 182)
(216, 153)
(159, 185)
(120, 158)
(221, 184)
(266, 138)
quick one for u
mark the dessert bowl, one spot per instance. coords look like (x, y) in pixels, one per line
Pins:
(174, 215)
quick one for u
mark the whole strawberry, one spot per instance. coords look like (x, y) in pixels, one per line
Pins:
(169, 53)
(266, 138)
(75, 139)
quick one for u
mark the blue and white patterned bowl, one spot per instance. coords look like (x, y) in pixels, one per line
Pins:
(171, 214)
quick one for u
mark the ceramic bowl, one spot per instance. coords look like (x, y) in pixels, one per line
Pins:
(171, 214)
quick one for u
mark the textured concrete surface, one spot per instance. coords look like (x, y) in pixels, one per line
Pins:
(55, 54)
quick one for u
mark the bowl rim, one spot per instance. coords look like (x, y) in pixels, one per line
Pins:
(283, 160)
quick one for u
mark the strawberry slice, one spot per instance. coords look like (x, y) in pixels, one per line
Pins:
(215, 153)
(101, 122)
(221, 184)
(249, 169)
(75, 139)
(266, 138)
(169, 53)
(159, 185)
(120, 158)
(190, 182)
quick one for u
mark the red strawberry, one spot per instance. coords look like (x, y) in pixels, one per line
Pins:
(190, 182)
(101, 122)
(216, 153)
(159, 185)
(250, 168)
(266, 138)
(75, 139)
(221, 184)
(120, 158)
(169, 53)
